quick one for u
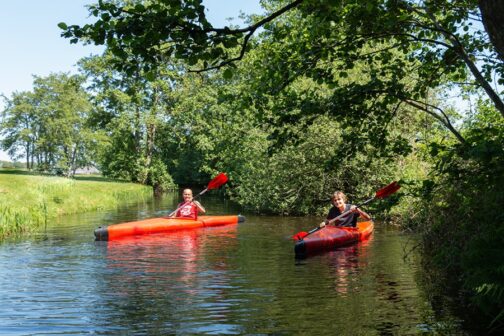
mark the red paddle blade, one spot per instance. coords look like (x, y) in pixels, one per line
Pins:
(300, 235)
(217, 181)
(388, 190)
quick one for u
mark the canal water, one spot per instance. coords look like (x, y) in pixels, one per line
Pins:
(230, 280)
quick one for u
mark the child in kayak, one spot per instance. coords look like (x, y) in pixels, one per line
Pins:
(339, 207)
(189, 208)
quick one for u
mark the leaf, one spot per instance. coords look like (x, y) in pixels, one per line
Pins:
(63, 25)
(228, 73)
(150, 76)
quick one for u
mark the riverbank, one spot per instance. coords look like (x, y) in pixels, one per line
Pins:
(28, 201)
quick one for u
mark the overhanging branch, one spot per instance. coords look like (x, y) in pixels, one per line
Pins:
(441, 117)
(250, 30)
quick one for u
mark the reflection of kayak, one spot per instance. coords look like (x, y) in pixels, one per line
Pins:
(332, 237)
(160, 225)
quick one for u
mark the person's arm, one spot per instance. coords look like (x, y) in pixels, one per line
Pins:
(328, 218)
(200, 207)
(174, 212)
(361, 213)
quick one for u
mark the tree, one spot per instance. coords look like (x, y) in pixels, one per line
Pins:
(439, 33)
(18, 125)
(64, 109)
(130, 110)
(156, 31)
(230, 124)
(49, 124)
(491, 12)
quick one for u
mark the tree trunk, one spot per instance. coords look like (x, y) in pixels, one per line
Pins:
(28, 155)
(459, 49)
(151, 134)
(72, 167)
(492, 12)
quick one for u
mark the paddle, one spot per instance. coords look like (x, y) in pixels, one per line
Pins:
(382, 193)
(215, 183)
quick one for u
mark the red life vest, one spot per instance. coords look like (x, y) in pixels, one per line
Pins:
(187, 210)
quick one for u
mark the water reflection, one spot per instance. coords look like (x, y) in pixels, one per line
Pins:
(180, 251)
(347, 263)
(181, 279)
(230, 280)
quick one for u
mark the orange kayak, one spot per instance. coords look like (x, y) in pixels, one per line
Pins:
(162, 225)
(331, 237)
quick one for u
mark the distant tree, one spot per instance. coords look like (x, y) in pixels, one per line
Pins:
(48, 125)
(129, 111)
(18, 125)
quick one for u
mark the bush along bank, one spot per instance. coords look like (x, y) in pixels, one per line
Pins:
(459, 216)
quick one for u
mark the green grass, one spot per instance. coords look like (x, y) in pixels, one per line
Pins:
(28, 200)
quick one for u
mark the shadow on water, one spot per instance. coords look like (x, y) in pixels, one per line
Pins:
(230, 280)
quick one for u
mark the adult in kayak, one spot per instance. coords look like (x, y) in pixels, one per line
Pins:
(339, 207)
(189, 208)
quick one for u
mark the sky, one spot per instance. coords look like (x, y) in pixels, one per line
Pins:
(30, 42)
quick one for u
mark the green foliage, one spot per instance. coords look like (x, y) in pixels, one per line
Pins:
(462, 212)
(220, 124)
(49, 125)
(159, 178)
(130, 110)
(9, 164)
(168, 29)
(439, 37)
(300, 178)
(210, 129)
(118, 155)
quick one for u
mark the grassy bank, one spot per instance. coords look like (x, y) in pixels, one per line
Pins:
(27, 201)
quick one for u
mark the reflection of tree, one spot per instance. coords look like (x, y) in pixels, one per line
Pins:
(400, 310)
(347, 262)
(300, 296)
(162, 282)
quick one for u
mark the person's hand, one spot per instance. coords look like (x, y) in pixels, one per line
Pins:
(353, 208)
(321, 225)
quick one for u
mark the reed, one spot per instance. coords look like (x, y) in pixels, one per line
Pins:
(28, 201)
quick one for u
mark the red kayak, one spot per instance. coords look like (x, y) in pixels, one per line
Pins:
(331, 237)
(162, 225)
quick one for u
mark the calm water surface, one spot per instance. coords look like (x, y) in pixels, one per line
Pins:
(228, 280)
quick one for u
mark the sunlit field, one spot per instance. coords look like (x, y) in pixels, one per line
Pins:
(27, 200)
